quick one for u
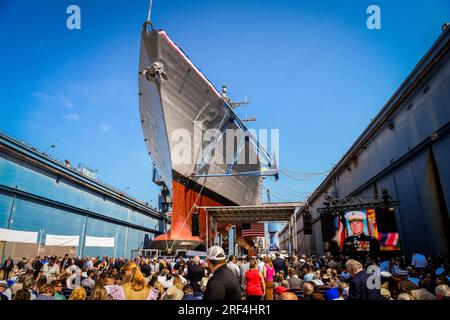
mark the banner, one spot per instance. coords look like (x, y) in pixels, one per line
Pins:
(64, 241)
(18, 236)
(99, 242)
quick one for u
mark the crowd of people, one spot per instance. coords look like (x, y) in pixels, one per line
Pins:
(218, 277)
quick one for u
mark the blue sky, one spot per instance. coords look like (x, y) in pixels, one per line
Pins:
(310, 68)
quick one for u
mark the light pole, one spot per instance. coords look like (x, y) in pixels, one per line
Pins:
(83, 237)
(115, 241)
(10, 221)
(143, 232)
(41, 231)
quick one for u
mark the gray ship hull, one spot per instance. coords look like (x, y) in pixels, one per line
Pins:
(175, 96)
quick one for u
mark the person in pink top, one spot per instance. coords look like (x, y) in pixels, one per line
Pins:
(255, 286)
(268, 273)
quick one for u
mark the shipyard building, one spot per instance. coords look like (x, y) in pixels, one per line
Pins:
(404, 153)
(49, 207)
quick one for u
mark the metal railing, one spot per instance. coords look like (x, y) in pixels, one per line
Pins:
(54, 159)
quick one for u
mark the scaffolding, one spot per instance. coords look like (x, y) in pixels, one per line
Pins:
(267, 212)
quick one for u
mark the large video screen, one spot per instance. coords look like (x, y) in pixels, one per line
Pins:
(362, 224)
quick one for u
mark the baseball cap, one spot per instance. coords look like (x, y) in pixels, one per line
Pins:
(317, 282)
(215, 253)
(440, 271)
(401, 272)
(280, 289)
(308, 277)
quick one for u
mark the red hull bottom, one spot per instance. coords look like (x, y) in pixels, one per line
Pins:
(185, 203)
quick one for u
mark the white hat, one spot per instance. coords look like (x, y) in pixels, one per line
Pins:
(173, 293)
(401, 272)
(3, 283)
(385, 293)
(302, 260)
(216, 253)
(355, 215)
(385, 274)
(317, 282)
(203, 283)
(403, 296)
(423, 294)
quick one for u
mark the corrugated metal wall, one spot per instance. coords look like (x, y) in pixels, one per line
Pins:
(409, 155)
(26, 193)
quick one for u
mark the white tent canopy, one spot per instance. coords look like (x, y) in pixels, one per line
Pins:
(193, 253)
(18, 236)
(66, 241)
(99, 242)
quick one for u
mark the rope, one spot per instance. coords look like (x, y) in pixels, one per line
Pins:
(278, 197)
(302, 176)
(291, 191)
(150, 10)
(190, 211)
(306, 173)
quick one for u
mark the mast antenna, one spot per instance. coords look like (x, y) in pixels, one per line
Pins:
(150, 10)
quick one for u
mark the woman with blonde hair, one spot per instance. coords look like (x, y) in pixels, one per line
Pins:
(177, 282)
(158, 286)
(79, 293)
(99, 293)
(133, 283)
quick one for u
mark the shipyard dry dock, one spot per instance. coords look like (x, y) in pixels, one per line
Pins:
(42, 199)
(405, 151)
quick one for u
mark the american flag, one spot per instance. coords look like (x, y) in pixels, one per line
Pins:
(253, 230)
(389, 241)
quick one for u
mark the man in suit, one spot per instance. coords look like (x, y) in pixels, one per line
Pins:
(64, 263)
(145, 268)
(195, 274)
(279, 264)
(37, 266)
(364, 285)
(8, 265)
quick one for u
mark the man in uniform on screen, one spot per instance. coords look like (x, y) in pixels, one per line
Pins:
(358, 244)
